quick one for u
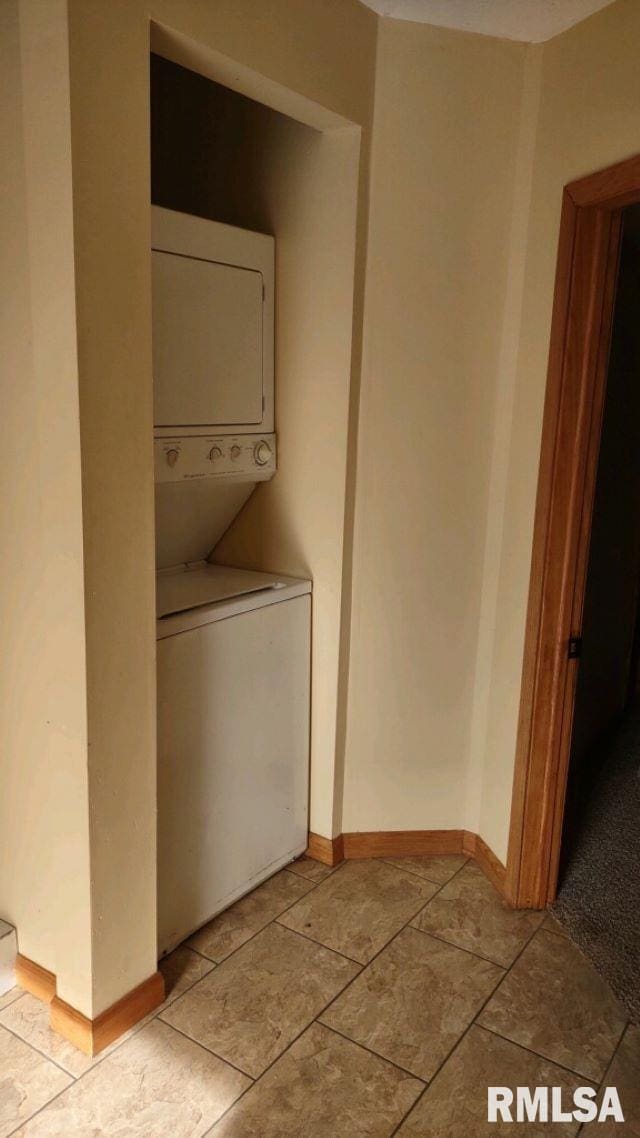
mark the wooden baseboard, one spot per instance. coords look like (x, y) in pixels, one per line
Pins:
(403, 843)
(492, 867)
(410, 843)
(92, 1036)
(330, 851)
(35, 979)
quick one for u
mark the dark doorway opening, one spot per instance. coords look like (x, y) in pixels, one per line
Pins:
(599, 884)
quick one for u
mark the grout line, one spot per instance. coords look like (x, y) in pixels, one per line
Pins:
(539, 1054)
(466, 1031)
(26, 1121)
(331, 869)
(515, 961)
(411, 1109)
(600, 1085)
(616, 1049)
(330, 1002)
(554, 932)
(376, 1054)
(45, 1105)
(190, 948)
(255, 1078)
(318, 944)
(540, 929)
(558, 936)
(43, 1054)
(441, 885)
(124, 1039)
(410, 873)
(17, 992)
(281, 1055)
(144, 1022)
(423, 876)
(216, 1055)
(367, 963)
(317, 1018)
(271, 921)
(147, 1020)
(452, 944)
(450, 1052)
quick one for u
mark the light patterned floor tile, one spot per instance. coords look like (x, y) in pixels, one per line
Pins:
(254, 1004)
(27, 1082)
(624, 1075)
(414, 1001)
(29, 1017)
(554, 1002)
(439, 868)
(225, 933)
(455, 1104)
(181, 969)
(157, 1085)
(470, 913)
(323, 1087)
(311, 869)
(392, 1026)
(552, 925)
(10, 996)
(359, 908)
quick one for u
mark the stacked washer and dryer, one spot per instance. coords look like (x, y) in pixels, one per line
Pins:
(233, 646)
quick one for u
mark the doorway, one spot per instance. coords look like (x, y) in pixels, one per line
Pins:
(599, 877)
(590, 243)
(606, 697)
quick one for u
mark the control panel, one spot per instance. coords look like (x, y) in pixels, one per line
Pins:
(244, 458)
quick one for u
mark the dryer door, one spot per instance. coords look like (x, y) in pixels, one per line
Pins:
(207, 342)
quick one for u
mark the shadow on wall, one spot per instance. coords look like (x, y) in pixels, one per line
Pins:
(210, 148)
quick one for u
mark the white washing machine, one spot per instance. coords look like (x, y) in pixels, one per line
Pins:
(233, 646)
(233, 738)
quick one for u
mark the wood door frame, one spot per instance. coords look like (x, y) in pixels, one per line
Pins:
(586, 277)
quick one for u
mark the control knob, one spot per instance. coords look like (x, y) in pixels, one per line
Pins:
(172, 456)
(235, 452)
(215, 454)
(261, 453)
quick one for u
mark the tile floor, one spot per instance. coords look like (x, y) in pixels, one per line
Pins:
(376, 999)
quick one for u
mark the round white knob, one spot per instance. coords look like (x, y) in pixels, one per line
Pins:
(236, 451)
(215, 453)
(172, 457)
(262, 453)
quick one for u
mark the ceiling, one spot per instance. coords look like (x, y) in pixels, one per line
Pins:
(531, 21)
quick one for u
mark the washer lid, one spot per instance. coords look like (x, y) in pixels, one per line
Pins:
(191, 586)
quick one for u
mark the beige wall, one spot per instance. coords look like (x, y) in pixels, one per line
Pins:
(473, 141)
(446, 127)
(44, 852)
(589, 118)
(294, 524)
(111, 205)
(324, 55)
